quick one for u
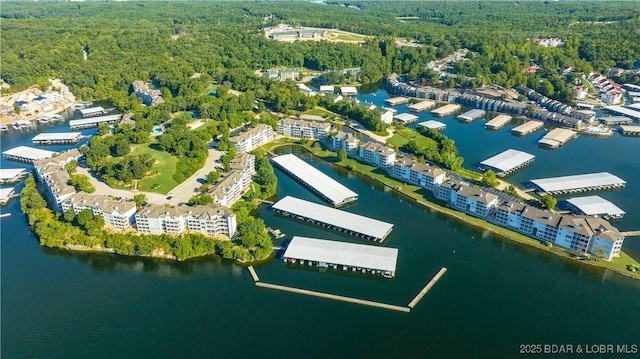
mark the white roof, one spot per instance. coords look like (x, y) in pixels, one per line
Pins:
(614, 119)
(635, 106)
(633, 93)
(508, 160)
(343, 219)
(9, 173)
(89, 110)
(342, 253)
(29, 153)
(6, 192)
(326, 88)
(304, 87)
(99, 119)
(472, 114)
(432, 124)
(348, 90)
(405, 117)
(578, 181)
(56, 136)
(335, 192)
(595, 205)
(624, 111)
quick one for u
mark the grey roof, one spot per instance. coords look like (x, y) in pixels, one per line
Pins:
(342, 253)
(508, 160)
(28, 152)
(611, 120)
(90, 110)
(624, 111)
(566, 183)
(99, 119)
(343, 219)
(434, 125)
(595, 205)
(52, 136)
(10, 173)
(405, 117)
(325, 185)
(472, 114)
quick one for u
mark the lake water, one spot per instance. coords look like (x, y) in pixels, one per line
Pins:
(495, 296)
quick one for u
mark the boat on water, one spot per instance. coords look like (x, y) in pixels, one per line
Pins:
(4, 128)
(81, 105)
(44, 119)
(21, 125)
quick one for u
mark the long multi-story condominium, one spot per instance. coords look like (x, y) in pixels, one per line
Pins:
(228, 188)
(378, 154)
(473, 201)
(582, 234)
(252, 138)
(345, 140)
(417, 173)
(245, 164)
(298, 128)
(118, 214)
(207, 219)
(149, 97)
(53, 174)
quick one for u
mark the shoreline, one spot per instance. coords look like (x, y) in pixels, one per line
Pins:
(511, 235)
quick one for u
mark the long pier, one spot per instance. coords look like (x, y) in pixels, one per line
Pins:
(334, 297)
(253, 273)
(427, 287)
(631, 233)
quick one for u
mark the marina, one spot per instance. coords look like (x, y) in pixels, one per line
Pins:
(635, 115)
(422, 106)
(4, 128)
(433, 125)
(579, 183)
(405, 118)
(446, 110)
(347, 222)
(92, 111)
(595, 206)
(6, 194)
(557, 137)
(12, 175)
(93, 122)
(321, 184)
(507, 162)
(27, 154)
(342, 255)
(630, 130)
(55, 138)
(21, 125)
(615, 120)
(396, 101)
(472, 115)
(527, 128)
(48, 119)
(497, 122)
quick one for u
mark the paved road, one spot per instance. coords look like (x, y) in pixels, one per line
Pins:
(181, 193)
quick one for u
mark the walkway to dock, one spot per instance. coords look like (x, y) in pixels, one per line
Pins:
(631, 233)
(427, 287)
(254, 275)
(334, 297)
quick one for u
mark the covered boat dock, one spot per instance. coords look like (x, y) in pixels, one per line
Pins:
(326, 187)
(594, 206)
(93, 122)
(27, 154)
(6, 194)
(405, 118)
(421, 106)
(527, 128)
(630, 130)
(55, 138)
(433, 125)
(350, 223)
(579, 183)
(557, 137)
(497, 122)
(396, 101)
(12, 175)
(446, 110)
(472, 115)
(341, 255)
(92, 111)
(507, 162)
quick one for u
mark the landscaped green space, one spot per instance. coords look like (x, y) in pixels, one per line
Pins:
(346, 36)
(397, 140)
(161, 180)
(317, 111)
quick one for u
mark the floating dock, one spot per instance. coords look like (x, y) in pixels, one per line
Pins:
(557, 137)
(579, 183)
(341, 255)
(6, 194)
(27, 154)
(56, 138)
(427, 287)
(334, 297)
(507, 162)
(253, 273)
(595, 206)
(326, 187)
(472, 115)
(348, 91)
(396, 101)
(497, 122)
(93, 122)
(422, 106)
(630, 130)
(446, 110)
(92, 111)
(624, 111)
(405, 118)
(12, 175)
(433, 125)
(615, 120)
(353, 224)
(527, 128)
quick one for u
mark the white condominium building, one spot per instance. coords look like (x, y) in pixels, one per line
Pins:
(252, 138)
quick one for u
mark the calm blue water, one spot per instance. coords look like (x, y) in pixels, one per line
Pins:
(495, 296)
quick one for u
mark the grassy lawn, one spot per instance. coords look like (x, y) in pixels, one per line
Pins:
(417, 193)
(397, 139)
(165, 167)
(469, 174)
(318, 111)
(347, 36)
